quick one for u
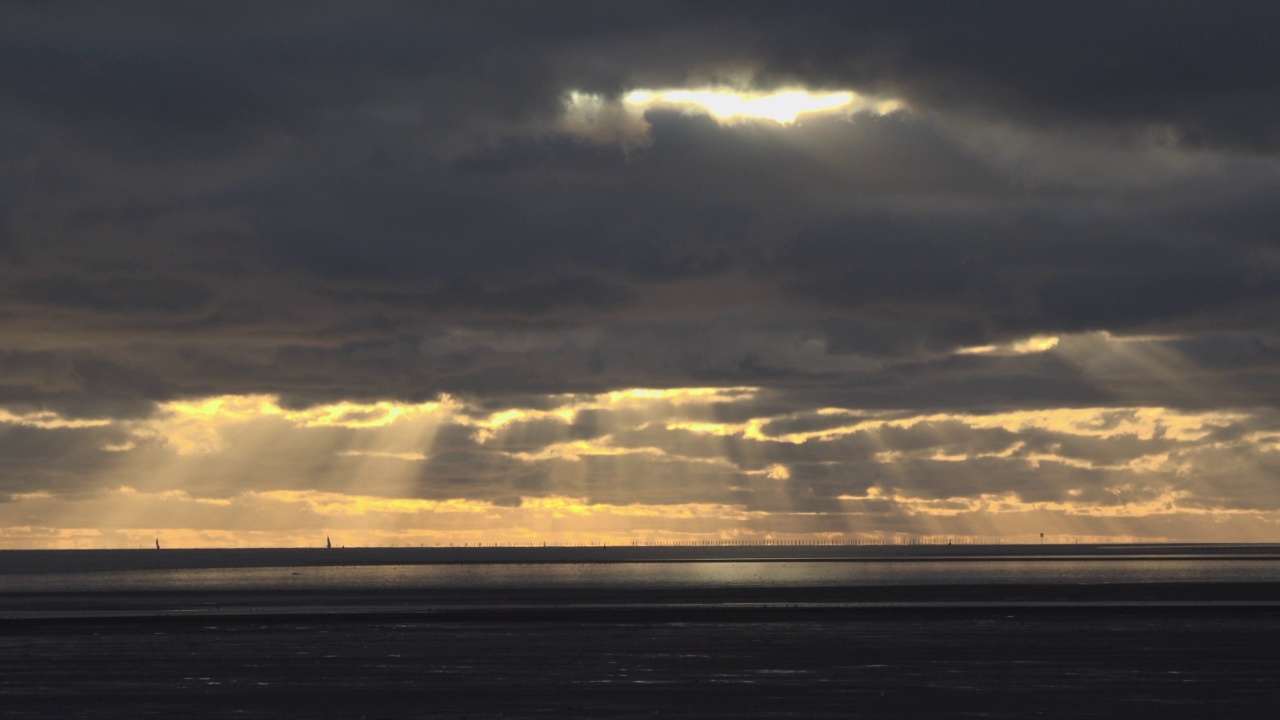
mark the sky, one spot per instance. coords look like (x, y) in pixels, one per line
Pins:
(583, 272)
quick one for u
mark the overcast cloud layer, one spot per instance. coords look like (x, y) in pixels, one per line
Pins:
(408, 203)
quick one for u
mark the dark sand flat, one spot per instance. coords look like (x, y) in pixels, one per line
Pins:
(1138, 651)
(908, 664)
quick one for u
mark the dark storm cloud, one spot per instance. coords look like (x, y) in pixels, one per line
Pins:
(61, 461)
(1207, 71)
(466, 297)
(1025, 270)
(382, 202)
(114, 294)
(77, 384)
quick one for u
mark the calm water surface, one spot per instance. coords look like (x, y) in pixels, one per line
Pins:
(651, 575)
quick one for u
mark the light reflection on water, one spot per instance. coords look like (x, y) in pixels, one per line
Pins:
(655, 575)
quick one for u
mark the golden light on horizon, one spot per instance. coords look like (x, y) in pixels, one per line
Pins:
(642, 464)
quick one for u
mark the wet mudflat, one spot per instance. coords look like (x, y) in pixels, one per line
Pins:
(633, 662)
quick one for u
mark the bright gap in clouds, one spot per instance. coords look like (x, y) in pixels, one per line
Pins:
(781, 106)
(622, 120)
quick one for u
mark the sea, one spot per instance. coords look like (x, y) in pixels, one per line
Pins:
(623, 576)
(625, 569)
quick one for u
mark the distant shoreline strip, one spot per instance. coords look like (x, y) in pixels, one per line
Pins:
(606, 611)
(26, 569)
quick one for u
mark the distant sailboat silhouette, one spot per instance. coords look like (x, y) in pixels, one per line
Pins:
(157, 543)
(327, 542)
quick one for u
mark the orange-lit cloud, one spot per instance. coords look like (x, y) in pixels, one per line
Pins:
(47, 420)
(1035, 344)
